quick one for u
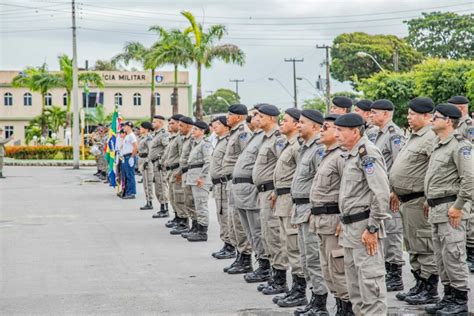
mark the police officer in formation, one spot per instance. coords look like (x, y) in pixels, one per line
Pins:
(145, 164)
(331, 199)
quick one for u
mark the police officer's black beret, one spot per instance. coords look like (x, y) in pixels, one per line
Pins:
(294, 113)
(448, 110)
(186, 120)
(342, 102)
(269, 109)
(128, 123)
(257, 106)
(421, 105)
(159, 117)
(201, 125)
(147, 125)
(364, 105)
(382, 104)
(176, 117)
(222, 119)
(459, 99)
(238, 109)
(313, 115)
(349, 120)
(331, 117)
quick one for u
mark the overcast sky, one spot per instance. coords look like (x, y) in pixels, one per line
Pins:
(268, 31)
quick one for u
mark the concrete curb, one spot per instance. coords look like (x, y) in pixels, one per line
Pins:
(48, 163)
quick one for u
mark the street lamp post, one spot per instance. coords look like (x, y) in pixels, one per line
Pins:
(281, 84)
(364, 54)
(313, 86)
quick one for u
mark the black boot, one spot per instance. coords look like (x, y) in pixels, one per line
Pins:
(388, 272)
(244, 266)
(192, 230)
(429, 294)
(347, 308)
(147, 206)
(172, 222)
(269, 282)
(470, 257)
(395, 282)
(339, 308)
(199, 235)
(297, 296)
(228, 253)
(261, 274)
(279, 283)
(220, 250)
(162, 213)
(457, 305)
(238, 258)
(319, 306)
(448, 295)
(414, 290)
(275, 299)
(180, 227)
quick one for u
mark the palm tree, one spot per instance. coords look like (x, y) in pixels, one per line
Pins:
(56, 117)
(99, 116)
(138, 52)
(65, 64)
(175, 48)
(205, 51)
(40, 80)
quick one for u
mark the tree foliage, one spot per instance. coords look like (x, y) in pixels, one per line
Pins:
(105, 65)
(443, 34)
(214, 103)
(386, 49)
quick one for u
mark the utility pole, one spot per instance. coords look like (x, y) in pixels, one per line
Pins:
(236, 84)
(294, 61)
(75, 93)
(395, 60)
(328, 76)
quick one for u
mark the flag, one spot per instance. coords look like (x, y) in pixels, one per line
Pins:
(110, 147)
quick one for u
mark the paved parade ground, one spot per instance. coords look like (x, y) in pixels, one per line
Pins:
(70, 246)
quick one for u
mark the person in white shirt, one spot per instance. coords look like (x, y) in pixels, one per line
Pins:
(128, 152)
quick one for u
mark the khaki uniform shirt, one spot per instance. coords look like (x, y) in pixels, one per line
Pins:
(144, 151)
(466, 128)
(200, 154)
(217, 160)
(238, 137)
(310, 155)
(390, 141)
(173, 153)
(267, 157)
(409, 170)
(186, 146)
(449, 173)
(364, 186)
(158, 145)
(371, 132)
(3, 142)
(325, 188)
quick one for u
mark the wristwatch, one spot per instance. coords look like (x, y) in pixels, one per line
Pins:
(372, 229)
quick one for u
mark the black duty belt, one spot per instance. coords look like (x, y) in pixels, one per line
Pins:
(354, 218)
(184, 169)
(438, 201)
(242, 180)
(160, 167)
(142, 155)
(223, 179)
(408, 197)
(326, 209)
(283, 191)
(198, 165)
(301, 201)
(266, 186)
(172, 167)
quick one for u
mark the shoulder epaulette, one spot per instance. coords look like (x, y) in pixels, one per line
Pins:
(241, 127)
(391, 129)
(458, 137)
(469, 121)
(362, 151)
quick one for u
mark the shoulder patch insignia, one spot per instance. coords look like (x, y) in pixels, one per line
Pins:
(244, 136)
(368, 164)
(470, 133)
(397, 141)
(280, 143)
(207, 145)
(320, 152)
(466, 152)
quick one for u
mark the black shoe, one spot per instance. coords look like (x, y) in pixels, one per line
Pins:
(319, 306)
(172, 222)
(297, 296)
(470, 258)
(456, 306)
(128, 197)
(269, 282)
(278, 285)
(161, 214)
(220, 250)
(147, 206)
(228, 253)
(414, 290)
(199, 235)
(448, 295)
(244, 266)
(192, 230)
(233, 264)
(429, 293)
(261, 274)
(395, 282)
(300, 311)
(180, 227)
(346, 308)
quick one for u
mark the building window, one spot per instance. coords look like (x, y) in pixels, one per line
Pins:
(118, 99)
(137, 99)
(8, 131)
(8, 99)
(65, 99)
(48, 99)
(157, 99)
(27, 99)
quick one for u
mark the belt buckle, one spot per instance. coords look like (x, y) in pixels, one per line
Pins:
(261, 187)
